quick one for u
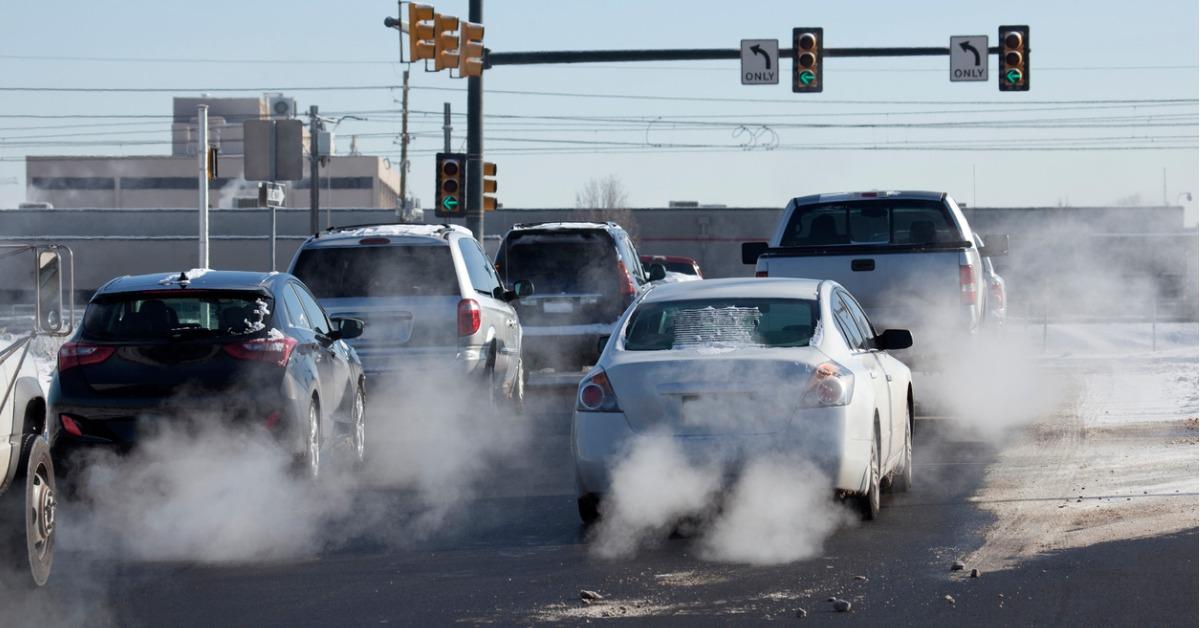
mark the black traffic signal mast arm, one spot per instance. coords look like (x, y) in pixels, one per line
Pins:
(689, 54)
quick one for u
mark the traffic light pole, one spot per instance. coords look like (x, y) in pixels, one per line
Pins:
(314, 173)
(475, 140)
(690, 54)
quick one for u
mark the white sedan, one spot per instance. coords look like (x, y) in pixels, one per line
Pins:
(734, 368)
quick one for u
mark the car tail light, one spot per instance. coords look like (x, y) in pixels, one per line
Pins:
(70, 425)
(596, 394)
(627, 288)
(831, 385)
(276, 351)
(272, 420)
(77, 353)
(469, 317)
(966, 282)
(760, 273)
(997, 296)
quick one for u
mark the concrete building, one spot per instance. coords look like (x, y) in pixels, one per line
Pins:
(170, 181)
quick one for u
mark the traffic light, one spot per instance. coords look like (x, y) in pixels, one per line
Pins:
(489, 186)
(451, 185)
(1014, 58)
(420, 32)
(470, 49)
(808, 47)
(446, 40)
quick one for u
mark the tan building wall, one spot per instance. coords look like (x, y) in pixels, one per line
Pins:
(171, 182)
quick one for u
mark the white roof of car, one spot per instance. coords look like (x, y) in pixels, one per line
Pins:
(393, 231)
(551, 226)
(743, 287)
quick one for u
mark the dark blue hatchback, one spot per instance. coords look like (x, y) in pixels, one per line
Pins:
(236, 348)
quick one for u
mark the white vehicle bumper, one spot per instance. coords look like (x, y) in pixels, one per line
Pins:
(837, 443)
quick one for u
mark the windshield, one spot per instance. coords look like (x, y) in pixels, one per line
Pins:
(731, 323)
(378, 271)
(566, 262)
(136, 317)
(874, 221)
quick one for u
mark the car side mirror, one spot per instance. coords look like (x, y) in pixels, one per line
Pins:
(995, 245)
(893, 339)
(522, 288)
(347, 328)
(656, 272)
(752, 250)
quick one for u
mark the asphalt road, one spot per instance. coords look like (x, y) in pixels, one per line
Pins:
(519, 556)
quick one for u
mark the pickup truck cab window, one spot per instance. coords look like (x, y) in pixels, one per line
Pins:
(870, 221)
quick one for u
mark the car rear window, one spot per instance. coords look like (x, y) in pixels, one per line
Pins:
(721, 323)
(378, 271)
(875, 221)
(562, 262)
(183, 316)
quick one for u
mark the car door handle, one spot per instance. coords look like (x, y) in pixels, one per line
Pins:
(889, 377)
(873, 373)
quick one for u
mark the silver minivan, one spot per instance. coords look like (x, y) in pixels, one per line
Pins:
(433, 304)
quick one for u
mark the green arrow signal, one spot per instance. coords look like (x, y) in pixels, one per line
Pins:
(807, 77)
(449, 203)
(1013, 76)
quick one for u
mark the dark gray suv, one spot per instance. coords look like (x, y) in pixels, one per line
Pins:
(586, 274)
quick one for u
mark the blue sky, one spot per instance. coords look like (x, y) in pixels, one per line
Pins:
(1081, 52)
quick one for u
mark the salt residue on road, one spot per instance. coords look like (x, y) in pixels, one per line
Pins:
(1119, 463)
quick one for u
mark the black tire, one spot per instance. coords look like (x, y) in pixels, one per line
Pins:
(589, 509)
(868, 503)
(309, 429)
(516, 398)
(358, 427)
(902, 480)
(27, 516)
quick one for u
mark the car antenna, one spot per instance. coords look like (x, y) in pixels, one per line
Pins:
(183, 279)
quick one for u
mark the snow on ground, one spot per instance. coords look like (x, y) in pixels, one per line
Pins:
(1119, 461)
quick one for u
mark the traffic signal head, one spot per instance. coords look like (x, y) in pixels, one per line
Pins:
(446, 40)
(420, 32)
(451, 185)
(470, 49)
(808, 50)
(1014, 58)
(489, 186)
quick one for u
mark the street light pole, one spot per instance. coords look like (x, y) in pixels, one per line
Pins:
(475, 140)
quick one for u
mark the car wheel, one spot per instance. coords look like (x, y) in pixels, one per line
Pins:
(868, 503)
(903, 479)
(311, 456)
(358, 423)
(517, 397)
(589, 508)
(27, 515)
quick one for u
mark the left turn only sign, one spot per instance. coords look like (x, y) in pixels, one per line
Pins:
(760, 62)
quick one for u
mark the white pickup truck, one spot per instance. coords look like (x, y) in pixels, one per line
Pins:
(27, 486)
(909, 257)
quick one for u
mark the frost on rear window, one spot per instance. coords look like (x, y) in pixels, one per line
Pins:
(257, 320)
(726, 327)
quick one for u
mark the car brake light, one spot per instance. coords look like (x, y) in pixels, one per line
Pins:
(760, 273)
(469, 317)
(596, 394)
(967, 285)
(272, 420)
(997, 296)
(627, 288)
(74, 354)
(276, 351)
(70, 425)
(370, 241)
(831, 385)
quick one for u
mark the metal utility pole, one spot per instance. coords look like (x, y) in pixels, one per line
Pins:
(314, 173)
(404, 146)
(475, 139)
(446, 127)
(202, 181)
